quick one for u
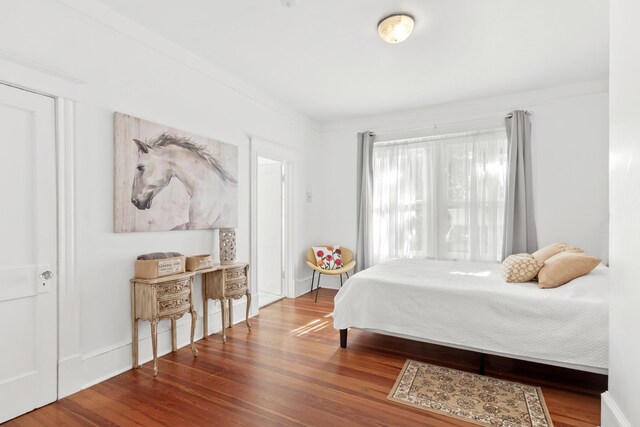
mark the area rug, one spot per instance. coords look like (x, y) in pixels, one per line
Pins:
(473, 398)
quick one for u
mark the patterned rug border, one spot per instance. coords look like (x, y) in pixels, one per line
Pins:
(391, 398)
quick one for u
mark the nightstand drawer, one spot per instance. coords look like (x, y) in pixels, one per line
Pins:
(175, 305)
(235, 287)
(234, 274)
(173, 289)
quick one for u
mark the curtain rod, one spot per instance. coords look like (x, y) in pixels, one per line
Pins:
(404, 130)
(435, 125)
(528, 113)
(421, 139)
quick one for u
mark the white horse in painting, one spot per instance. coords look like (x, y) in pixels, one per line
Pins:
(203, 176)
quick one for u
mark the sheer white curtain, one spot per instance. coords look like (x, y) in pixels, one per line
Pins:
(440, 197)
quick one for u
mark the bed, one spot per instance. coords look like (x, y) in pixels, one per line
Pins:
(470, 306)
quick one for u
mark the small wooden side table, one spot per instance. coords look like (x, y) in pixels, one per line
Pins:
(168, 297)
(225, 282)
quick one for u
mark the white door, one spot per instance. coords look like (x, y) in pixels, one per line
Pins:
(28, 252)
(270, 271)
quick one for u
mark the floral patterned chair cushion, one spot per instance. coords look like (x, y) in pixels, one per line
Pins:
(328, 257)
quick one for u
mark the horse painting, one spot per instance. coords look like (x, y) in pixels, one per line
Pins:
(174, 181)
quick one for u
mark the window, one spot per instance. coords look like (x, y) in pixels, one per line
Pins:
(440, 197)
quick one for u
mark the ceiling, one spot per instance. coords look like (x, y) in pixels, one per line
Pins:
(325, 59)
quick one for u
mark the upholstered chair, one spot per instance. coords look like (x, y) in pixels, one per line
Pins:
(348, 264)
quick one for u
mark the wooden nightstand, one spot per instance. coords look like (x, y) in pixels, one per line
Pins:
(225, 283)
(168, 297)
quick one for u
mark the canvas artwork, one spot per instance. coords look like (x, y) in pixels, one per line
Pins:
(167, 179)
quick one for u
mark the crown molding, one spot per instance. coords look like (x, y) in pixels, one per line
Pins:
(468, 109)
(98, 13)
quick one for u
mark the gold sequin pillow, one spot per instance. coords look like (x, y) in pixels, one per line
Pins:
(521, 268)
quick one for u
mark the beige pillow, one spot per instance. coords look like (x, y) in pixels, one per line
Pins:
(554, 249)
(564, 267)
(520, 268)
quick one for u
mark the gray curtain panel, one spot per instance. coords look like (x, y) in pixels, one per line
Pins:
(365, 197)
(519, 225)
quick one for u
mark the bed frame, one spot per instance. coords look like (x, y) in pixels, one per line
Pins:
(564, 377)
(343, 338)
(343, 344)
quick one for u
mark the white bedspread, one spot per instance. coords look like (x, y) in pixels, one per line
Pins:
(469, 305)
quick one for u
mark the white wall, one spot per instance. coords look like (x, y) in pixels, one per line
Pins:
(620, 403)
(128, 69)
(570, 161)
(269, 268)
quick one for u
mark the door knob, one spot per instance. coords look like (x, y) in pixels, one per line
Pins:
(46, 275)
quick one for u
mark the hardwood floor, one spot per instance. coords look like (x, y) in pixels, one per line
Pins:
(289, 370)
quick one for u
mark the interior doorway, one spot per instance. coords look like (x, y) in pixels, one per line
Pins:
(288, 159)
(270, 202)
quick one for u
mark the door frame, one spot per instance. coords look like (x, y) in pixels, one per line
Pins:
(65, 89)
(263, 148)
(282, 245)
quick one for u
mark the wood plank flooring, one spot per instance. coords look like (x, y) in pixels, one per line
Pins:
(289, 370)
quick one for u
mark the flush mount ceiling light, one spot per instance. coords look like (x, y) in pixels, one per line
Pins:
(395, 28)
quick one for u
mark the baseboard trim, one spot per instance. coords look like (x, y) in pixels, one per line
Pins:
(303, 286)
(69, 375)
(100, 365)
(611, 416)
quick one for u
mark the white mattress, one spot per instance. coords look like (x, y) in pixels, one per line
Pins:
(469, 305)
